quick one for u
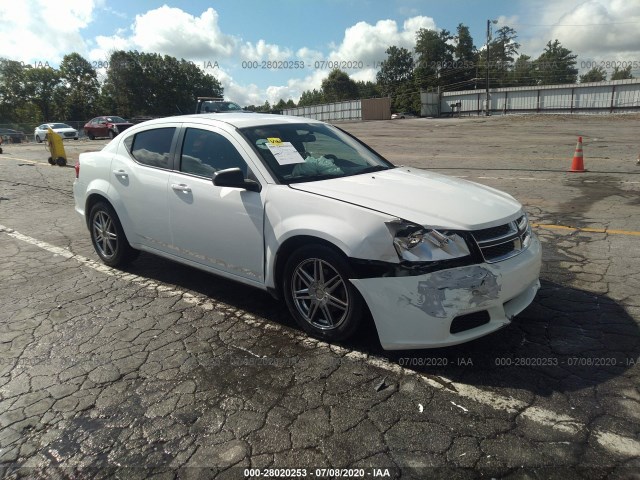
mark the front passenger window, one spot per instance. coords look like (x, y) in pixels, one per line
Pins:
(205, 152)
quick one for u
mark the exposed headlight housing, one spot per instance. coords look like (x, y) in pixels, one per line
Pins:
(415, 243)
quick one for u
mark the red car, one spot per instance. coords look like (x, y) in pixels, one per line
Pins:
(108, 126)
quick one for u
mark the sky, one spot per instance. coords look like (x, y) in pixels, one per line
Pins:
(270, 50)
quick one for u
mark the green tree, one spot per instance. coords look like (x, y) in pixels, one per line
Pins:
(623, 74)
(556, 65)
(12, 90)
(123, 89)
(367, 89)
(596, 74)
(142, 84)
(523, 72)
(503, 50)
(80, 88)
(395, 78)
(311, 97)
(434, 58)
(338, 86)
(281, 105)
(395, 71)
(462, 75)
(42, 85)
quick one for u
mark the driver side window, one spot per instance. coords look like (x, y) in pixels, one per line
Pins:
(205, 152)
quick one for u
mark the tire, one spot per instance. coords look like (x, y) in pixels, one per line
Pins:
(112, 134)
(319, 295)
(108, 238)
(38, 139)
(91, 136)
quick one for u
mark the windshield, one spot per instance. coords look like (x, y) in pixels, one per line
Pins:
(303, 152)
(59, 125)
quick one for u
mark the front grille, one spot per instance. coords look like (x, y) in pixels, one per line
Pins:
(493, 232)
(69, 134)
(504, 241)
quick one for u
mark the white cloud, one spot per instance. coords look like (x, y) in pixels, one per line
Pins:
(367, 43)
(362, 47)
(172, 31)
(24, 24)
(601, 30)
(261, 50)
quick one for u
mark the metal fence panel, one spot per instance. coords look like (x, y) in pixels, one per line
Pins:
(596, 97)
(347, 110)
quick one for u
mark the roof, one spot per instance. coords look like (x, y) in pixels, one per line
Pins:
(238, 120)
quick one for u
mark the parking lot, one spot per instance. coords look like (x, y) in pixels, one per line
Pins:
(165, 370)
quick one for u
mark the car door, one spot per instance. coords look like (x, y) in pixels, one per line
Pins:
(101, 128)
(219, 227)
(140, 174)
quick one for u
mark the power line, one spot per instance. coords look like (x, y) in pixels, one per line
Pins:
(571, 24)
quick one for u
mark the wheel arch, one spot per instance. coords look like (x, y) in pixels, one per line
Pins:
(289, 246)
(92, 199)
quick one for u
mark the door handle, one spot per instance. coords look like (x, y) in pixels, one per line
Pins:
(181, 187)
(120, 173)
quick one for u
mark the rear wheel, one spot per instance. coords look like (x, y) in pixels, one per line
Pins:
(108, 237)
(319, 294)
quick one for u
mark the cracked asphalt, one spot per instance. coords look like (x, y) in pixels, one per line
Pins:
(162, 371)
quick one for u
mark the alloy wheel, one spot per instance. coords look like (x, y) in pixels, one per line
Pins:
(320, 294)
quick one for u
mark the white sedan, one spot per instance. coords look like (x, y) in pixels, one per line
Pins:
(62, 129)
(309, 213)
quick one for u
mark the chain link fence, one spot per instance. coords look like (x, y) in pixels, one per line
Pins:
(24, 132)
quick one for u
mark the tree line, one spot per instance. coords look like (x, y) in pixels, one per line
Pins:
(134, 85)
(442, 61)
(150, 85)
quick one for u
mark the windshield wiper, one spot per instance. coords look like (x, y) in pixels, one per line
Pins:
(372, 168)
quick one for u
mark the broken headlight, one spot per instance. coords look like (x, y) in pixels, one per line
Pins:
(415, 243)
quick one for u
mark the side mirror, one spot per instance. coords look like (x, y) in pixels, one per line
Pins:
(233, 177)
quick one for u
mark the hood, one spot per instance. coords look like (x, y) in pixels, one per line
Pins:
(422, 197)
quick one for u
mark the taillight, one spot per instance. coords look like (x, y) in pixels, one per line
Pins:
(77, 167)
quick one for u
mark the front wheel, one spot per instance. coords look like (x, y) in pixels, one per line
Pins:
(112, 134)
(108, 237)
(319, 294)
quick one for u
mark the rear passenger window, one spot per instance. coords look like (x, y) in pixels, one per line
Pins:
(152, 147)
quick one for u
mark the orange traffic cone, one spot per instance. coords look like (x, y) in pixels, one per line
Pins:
(578, 162)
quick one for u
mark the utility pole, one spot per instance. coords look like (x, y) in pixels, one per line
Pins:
(488, 99)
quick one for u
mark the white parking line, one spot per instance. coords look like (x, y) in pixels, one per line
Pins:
(614, 443)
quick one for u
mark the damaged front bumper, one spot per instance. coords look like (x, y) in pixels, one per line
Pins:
(451, 306)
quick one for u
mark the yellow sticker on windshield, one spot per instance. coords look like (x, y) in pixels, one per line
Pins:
(274, 140)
